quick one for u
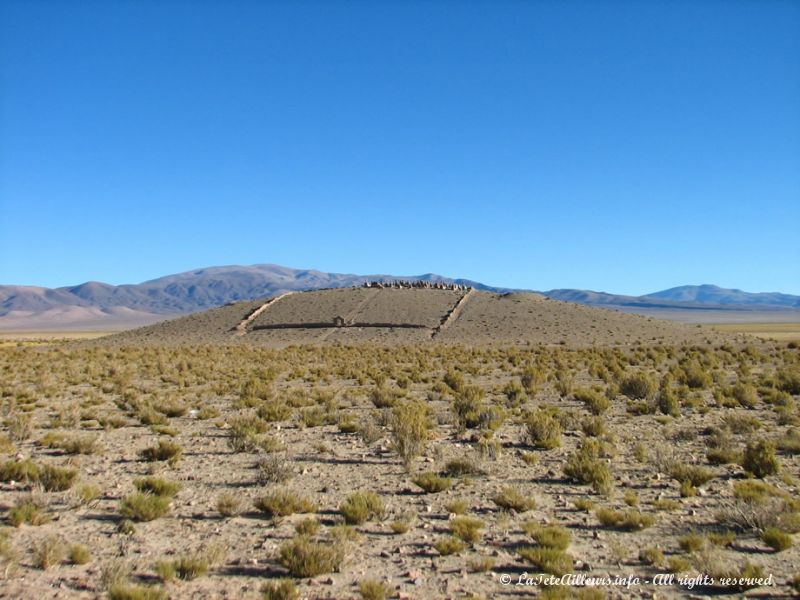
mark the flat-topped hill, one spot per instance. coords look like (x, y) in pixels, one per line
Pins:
(393, 316)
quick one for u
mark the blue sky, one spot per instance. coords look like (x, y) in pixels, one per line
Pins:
(619, 146)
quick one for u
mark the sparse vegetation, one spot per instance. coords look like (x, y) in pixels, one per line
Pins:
(480, 431)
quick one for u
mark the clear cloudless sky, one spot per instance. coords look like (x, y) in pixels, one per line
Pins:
(625, 146)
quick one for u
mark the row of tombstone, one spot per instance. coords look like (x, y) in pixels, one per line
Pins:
(423, 285)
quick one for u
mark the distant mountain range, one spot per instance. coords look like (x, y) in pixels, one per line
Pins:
(95, 305)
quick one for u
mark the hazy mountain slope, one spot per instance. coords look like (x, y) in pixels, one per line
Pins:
(712, 294)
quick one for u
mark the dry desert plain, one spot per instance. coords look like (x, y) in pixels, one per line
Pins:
(434, 444)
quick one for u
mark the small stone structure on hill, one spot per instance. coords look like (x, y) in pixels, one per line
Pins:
(422, 285)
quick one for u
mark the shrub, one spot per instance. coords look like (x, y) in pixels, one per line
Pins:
(144, 506)
(595, 402)
(191, 566)
(86, 444)
(510, 498)
(305, 558)
(410, 430)
(667, 402)
(361, 507)
(454, 380)
(678, 564)
(399, 527)
(87, 493)
(532, 378)
(307, 527)
(383, 397)
(157, 486)
(544, 430)
(79, 554)
(638, 386)
(244, 433)
(229, 504)
(50, 552)
(514, 393)
(548, 560)
(691, 474)
(745, 394)
(760, 460)
(594, 426)
(460, 467)
(163, 451)
(449, 545)
(457, 506)
(283, 589)
(273, 469)
(57, 479)
(29, 512)
(129, 591)
(691, 542)
(432, 483)
(651, 556)
(273, 411)
(372, 589)
(586, 467)
(284, 502)
(627, 520)
(776, 539)
(550, 536)
(468, 406)
(466, 529)
(481, 564)
(695, 376)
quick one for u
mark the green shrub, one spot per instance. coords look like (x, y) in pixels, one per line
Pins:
(283, 589)
(548, 560)
(760, 460)
(449, 545)
(544, 430)
(50, 552)
(586, 467)
(361, 507)
(410, 430)
(307, 527)
(651, 556)
(141, 506)
(79, 554)
(460, 467)
(163, 451)
(638, 386)
(29, 512)
(627, 520)
(244, 433)
(229, 504)
(552, 536)
(191, 566)
(372, 589)
(776, 539)
(467, 529)
(157, 486)
(432, 483)
(510, 498)
(532, 378)
(305, 558)
(129, 591)
(596, 403)
(284, 502)
(57, 479)
(691, 474)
